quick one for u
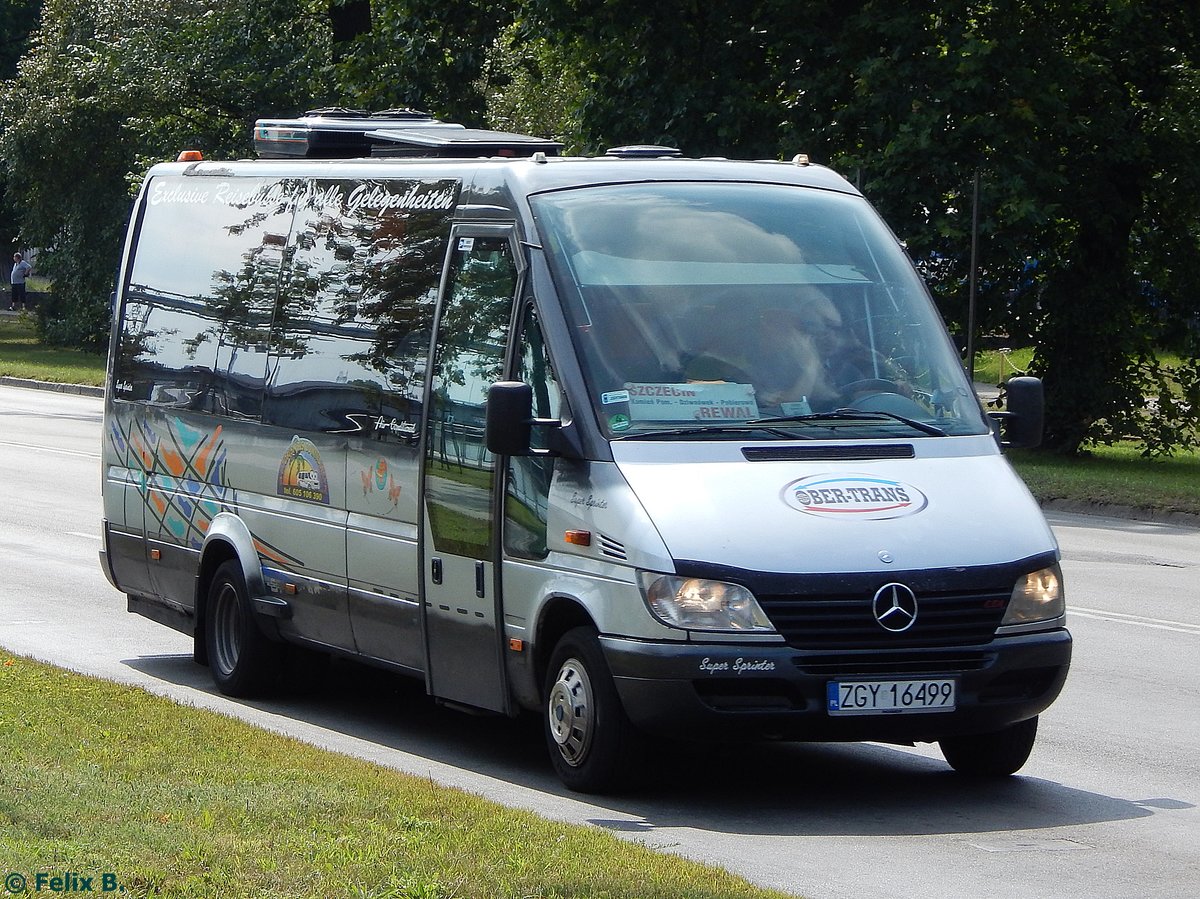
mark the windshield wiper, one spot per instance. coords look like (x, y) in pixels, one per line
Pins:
(750, 427)
(851, 415)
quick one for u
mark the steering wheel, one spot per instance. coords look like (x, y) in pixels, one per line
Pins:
(869, 385)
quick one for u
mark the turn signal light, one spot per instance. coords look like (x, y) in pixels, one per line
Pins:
(579, 538)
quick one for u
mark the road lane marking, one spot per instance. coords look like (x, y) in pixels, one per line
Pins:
(83, 535)
(1180, 627)
(1019, 845)
(50, 449)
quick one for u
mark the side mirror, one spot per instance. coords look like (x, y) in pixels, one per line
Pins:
(1023, 420)
(508, 422)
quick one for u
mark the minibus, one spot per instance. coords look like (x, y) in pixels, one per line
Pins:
(657, 449)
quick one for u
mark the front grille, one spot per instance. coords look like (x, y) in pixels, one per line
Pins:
(950, 618)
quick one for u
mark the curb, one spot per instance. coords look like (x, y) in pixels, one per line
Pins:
(30, 384)
(1131, 513)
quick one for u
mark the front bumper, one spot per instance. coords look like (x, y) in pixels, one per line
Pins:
(727, 691)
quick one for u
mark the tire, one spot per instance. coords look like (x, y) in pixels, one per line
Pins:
(593, 746)
(243, 661)
(996, 754)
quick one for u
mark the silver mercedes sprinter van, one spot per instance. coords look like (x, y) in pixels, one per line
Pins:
(653, 447)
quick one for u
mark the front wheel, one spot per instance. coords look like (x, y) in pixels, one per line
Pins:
(242, 659)
(592, 744)
(996, 754)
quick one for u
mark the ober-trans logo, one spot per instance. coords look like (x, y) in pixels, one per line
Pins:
(856, 496)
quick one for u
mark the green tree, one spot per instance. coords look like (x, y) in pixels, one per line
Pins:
(422, 54)
(109, 87)
(702, 76)
(530, 88)
(18, 18)
(1078, 115)
(1072, 113)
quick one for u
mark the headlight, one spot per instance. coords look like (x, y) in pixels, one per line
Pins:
(1037, 597)
(702, 605)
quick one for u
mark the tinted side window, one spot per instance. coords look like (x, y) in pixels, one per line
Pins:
(350, 343)
(201, 293)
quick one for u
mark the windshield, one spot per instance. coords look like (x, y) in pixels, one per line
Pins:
(699, 308)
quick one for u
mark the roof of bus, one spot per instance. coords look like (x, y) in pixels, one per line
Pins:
(529, 174)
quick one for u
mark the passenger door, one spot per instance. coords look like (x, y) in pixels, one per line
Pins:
(461, 602)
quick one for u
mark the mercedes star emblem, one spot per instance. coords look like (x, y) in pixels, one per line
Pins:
(895, 608)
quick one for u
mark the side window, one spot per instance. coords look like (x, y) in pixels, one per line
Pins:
(201, 294)
(351, 339)
(472, 336)
(529, 477)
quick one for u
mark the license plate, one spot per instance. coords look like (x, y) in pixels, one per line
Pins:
(890, 697)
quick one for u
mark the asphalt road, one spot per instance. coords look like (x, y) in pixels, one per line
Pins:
(1106, 807)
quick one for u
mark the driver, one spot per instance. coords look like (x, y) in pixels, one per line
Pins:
(800, 357)
(767, 348)
(849, 368)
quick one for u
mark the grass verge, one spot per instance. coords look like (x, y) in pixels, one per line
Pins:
(102, 779)
(21, 356)
(1114, 475)
(995, 367)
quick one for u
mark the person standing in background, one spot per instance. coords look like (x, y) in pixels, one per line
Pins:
(20, 271)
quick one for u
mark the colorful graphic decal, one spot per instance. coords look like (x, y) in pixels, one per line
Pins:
(180, 475)
(853, 496)
(302, 474)
(380, 480)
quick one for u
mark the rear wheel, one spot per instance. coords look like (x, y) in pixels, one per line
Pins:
(592, 744)
(242, 659)
(996, 754)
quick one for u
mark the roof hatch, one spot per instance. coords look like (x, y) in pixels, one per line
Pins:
(339, 133)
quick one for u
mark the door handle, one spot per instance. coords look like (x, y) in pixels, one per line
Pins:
(479, 580)
(436, 570)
